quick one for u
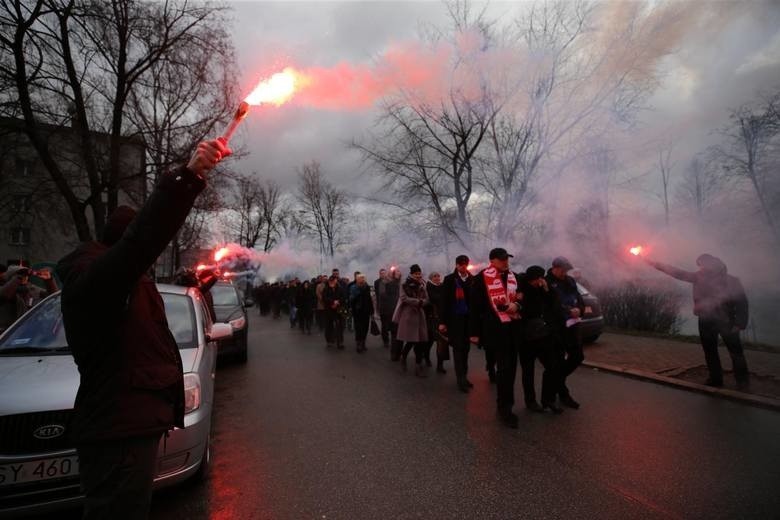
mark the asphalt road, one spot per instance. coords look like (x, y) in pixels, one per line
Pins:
(302, 432)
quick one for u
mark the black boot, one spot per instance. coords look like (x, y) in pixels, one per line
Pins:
(508, 418)
(440, 367)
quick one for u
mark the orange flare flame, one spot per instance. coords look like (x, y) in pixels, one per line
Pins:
(636, 250)
(278, 89)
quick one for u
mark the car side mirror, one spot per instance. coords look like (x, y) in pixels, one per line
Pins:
(219, 331)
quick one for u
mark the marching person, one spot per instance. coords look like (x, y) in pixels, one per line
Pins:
(305, 300)
(410, 317)
(132, 389)
(362, 310)
(539, 306)
(495, 320)
(720, 303)
(432, 311)
(566, 328)
(454, 316)
(333, 299)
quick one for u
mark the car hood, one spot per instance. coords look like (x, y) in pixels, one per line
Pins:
(225, 313)
(41, 383)
(37, 383)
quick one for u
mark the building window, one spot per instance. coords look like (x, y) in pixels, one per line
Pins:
(21, 204)
(20, 236)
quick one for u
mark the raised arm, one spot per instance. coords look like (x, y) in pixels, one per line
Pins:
(674, 272)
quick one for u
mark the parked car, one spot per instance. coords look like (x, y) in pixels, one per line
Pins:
(230, 307)
(38, 384)
(592, 324)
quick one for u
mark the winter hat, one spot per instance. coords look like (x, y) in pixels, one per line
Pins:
(562, 262)
(711, 263)
(415, 269)
(534, 272)
(117, 224)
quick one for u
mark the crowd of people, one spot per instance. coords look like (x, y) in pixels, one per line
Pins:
(512, 317)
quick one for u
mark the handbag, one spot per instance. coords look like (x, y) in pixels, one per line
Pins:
(374, 327)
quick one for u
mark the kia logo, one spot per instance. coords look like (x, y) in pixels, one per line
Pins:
(49, 431)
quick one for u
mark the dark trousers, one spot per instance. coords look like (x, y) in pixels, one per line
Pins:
(569, 353)
(506, 372)
(304, 320)
(320, 318)
(334, 328)
(117, 476)
(388, 328)
(708, 332)
(490, 358)
(457, 333)
(362, 322)
(543, 350)
(419, 350)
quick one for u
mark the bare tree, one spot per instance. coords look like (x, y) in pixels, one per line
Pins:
(752, 153)
(700, 182)
(323, 208)
(665, 167)
(258, 205)
(90, 59)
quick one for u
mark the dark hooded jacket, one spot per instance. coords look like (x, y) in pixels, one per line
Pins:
(131, 371)
(716, 294)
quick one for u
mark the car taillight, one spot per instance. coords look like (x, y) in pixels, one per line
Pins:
(238, 323)
(191, 392)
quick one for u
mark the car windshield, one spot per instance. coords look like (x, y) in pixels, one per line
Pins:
(41, 330)
(224, 295)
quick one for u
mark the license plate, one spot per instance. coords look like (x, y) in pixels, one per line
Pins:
(38, 470)
(588, 309)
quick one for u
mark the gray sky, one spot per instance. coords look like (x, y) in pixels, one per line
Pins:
(713, 69)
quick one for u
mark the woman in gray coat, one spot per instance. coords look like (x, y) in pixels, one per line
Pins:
(410, 317)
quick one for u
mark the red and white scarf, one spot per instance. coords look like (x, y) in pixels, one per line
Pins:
(498, 294)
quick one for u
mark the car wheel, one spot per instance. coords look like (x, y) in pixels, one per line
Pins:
(592, 339)
(205, 463)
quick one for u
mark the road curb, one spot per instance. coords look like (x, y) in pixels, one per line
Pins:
(733, 395)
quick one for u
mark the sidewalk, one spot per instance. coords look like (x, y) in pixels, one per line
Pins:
(682, 364)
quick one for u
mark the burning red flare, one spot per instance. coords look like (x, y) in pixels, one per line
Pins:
(221, 253)
(277, 90)
(636, 250)
(200, 267)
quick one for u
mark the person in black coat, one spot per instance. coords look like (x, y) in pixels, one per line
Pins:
(131, 389)
(494, 319)
(566, 327)
(538, 307)
(454, 318)
(362, 306)
(333, 299)
(305, 300)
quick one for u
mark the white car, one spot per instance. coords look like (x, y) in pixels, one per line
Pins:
(38, 383)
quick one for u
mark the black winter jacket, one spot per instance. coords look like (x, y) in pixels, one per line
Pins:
(447, 307)
(131, 371)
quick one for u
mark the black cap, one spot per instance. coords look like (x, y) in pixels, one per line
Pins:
(500, 253)
(534, 272)
(461, 259)
(415, 269)
(562, 262)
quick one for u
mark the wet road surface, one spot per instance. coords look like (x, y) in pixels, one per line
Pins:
(306, 432)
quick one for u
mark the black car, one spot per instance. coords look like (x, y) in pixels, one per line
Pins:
(230, 307)
(592, 324)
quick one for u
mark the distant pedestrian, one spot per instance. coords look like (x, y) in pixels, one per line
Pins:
(320, 311)
(305, 301)
(410, 317)
(720, 303)
(454, 318)
(566, 327)
(495, 320)
(432, 311)
(539, 306)
(18, 295)
(362, 308)
(388, 289)
(333, 299)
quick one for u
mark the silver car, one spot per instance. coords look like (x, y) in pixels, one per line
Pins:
(38, 383)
